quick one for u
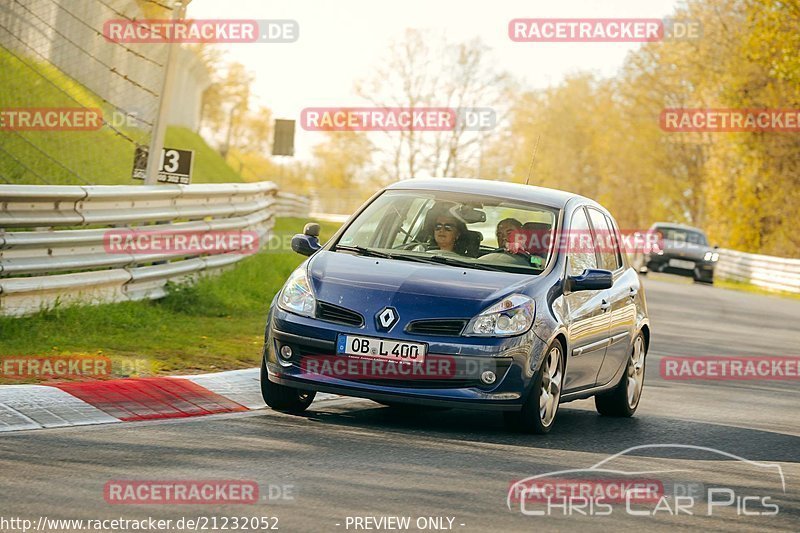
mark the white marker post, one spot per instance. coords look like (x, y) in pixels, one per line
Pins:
(160, 125)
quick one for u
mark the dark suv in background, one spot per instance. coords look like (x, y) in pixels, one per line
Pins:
(678, 249)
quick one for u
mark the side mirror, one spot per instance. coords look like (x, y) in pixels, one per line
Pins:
(308, 242)
(591, 279)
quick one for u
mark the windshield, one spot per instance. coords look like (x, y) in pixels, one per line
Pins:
(461, 229)
(683, 235)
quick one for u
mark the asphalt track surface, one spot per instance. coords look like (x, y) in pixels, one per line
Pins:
(349, 458)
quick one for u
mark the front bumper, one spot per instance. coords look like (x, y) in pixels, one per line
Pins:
(513, 360)
(703, 270)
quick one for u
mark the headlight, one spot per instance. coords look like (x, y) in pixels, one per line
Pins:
(711, 256)
(511, 316)
(296, 295)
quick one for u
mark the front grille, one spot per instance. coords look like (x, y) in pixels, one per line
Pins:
(466, 375)
(437, 327)
(423, 383)
(334, 313)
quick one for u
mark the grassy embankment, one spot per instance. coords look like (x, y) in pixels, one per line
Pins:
(99, 157)
(214, 325)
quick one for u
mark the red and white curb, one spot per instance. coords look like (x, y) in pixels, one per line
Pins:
(126, 400)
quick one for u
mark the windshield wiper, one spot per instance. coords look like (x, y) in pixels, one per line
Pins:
(447, 260)
(438, 259)
(371, 252)
(360, 250)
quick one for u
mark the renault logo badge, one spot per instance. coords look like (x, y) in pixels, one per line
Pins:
(387, 318)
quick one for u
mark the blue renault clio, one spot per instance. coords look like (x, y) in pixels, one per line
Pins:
(463, 293)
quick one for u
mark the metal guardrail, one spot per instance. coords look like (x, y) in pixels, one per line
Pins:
(292, 205)
(53, 250)
(53, 238)
(774, 273)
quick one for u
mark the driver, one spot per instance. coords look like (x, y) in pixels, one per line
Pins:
(448, 232)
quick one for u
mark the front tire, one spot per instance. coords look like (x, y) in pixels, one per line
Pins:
(282, 398)
(539, 412)
(623, 400)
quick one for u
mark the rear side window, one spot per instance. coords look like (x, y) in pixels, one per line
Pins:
(605, 240)
(581, 256)
(615, 237)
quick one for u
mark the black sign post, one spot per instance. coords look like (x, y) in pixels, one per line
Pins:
(283, 139)
(175, 167)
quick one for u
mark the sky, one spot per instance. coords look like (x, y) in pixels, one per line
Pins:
(341, 41)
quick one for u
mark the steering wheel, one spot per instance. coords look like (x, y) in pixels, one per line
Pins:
(504, 250)
(414, 246)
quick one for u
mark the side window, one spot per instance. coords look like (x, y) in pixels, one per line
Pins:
(605, 240)
(410, 223)
(615, 238)
(581, 248)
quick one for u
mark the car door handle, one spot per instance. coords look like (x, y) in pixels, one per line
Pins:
(605, 306)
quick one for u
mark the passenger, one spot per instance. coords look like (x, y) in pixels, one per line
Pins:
(504, 229)
(449, 234)
(537, 236)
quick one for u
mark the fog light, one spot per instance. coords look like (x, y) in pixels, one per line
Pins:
(286, 352)
(488, 377)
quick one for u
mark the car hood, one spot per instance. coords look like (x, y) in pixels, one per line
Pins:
(416, 290)
(682, 249)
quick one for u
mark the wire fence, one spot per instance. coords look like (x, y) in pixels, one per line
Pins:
(53, 55)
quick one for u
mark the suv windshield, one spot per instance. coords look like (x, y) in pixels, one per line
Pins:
(682, 235)
(459, 229)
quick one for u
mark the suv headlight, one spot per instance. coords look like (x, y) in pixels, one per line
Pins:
(296, 295)
(711, 256)
(512, 315)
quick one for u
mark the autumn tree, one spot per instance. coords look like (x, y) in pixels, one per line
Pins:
(424, 70)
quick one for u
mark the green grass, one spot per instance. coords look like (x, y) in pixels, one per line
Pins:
(755, 289)
(216, 324)
(209, 166)
(98, 157)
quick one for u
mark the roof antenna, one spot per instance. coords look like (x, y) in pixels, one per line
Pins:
(533, 158)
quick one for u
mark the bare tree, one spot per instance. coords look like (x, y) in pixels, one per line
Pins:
(422, 70)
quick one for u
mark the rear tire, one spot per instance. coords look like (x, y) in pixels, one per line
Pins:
(623, 400)
(539, 412)
(282, 398)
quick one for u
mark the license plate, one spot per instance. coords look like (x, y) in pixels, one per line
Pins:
(386, 349)
(680, 263)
